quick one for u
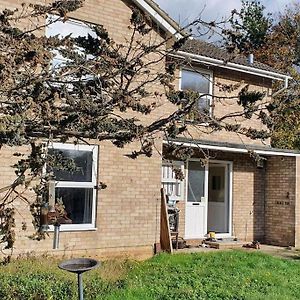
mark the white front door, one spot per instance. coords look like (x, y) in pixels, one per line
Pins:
(196, 200)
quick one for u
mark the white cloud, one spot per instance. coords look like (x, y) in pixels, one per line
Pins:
(184, 11)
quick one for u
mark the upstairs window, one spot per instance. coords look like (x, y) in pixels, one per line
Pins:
(201, 82)
(62, 29)
(76, 188)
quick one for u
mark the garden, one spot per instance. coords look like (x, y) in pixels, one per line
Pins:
(214, 275)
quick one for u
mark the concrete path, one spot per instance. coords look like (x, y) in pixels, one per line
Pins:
(282, 252)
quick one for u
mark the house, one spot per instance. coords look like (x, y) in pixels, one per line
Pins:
(227, 193)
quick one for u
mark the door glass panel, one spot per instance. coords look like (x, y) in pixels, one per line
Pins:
(196, 181)
(216, 184)
(218, 199)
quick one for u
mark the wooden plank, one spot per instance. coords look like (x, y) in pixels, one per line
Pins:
(165, 235)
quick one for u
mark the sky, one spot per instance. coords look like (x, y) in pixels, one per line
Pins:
(184, 11)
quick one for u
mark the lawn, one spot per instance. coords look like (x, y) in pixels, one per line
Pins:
(214, 275)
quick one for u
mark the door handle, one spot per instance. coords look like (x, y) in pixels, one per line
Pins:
(196, 203)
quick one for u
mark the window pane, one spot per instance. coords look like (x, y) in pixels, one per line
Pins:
(195, 81)
(83, 161)
(203, 104)
(69, 27)
(217, 184)
(196, 181)
(63, 29)
(78, 204)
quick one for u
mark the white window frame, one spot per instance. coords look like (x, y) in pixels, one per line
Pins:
(211, 82)
(178, 164)
(75, 184)
(70, 22)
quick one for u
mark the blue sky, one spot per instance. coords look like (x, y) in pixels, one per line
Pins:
(184, 11)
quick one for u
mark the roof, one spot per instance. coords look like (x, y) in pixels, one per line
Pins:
(232, 147)
(203, 48)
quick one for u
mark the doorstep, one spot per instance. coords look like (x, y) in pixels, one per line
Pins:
(225, 244)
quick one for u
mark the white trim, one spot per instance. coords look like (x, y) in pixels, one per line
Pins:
(205, 195)
(158, 18)
(231, 149)
(76, 184)
(72, 22)
(68, 228)
(232, 66)
(275, 153)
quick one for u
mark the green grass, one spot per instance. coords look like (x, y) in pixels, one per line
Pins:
(214, 275)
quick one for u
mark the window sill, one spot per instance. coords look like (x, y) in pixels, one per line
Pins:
(70, 228)
(191, 122)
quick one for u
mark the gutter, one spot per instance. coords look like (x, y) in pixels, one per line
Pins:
(232, 149)
(233, 66)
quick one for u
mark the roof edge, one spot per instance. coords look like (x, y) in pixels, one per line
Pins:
(171, 26)
(231, 147)
(233, 66)
(160, 17)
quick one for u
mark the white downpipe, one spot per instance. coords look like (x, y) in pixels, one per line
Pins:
(233, 66)
(286, 84)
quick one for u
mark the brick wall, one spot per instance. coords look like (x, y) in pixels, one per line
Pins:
(297, 204)
(128, 211)
(280, 201)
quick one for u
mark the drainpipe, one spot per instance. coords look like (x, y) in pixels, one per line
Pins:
(264, 183)
(286, 84)
(56, 236)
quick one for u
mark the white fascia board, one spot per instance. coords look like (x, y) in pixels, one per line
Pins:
(232, 66)
(231, 149)
(276, 153)
(158, 18)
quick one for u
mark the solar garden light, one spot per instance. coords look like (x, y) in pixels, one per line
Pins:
(79, 266)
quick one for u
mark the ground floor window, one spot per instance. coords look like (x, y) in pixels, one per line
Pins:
(76, 189)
